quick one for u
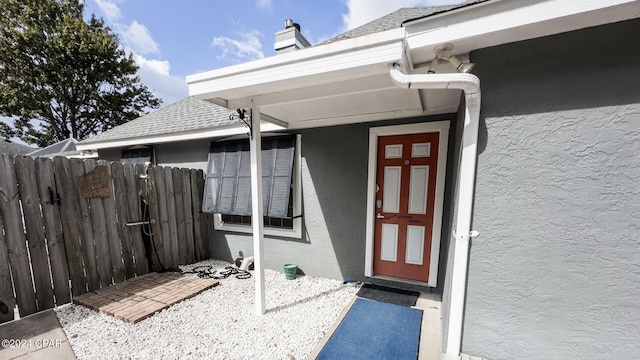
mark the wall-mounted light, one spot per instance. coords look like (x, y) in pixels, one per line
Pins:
(241, 115)
(445, 52)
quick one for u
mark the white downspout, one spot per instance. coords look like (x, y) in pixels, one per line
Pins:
(470, 85)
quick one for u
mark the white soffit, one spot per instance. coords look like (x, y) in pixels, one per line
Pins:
(499, 22)
(368, 106)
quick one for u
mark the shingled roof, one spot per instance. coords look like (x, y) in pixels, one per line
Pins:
(188, 115)
(60, 148)
(194, 115)
(396, 19)
(11, 148)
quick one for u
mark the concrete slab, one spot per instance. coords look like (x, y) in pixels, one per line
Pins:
(431, 332)
(38, 337)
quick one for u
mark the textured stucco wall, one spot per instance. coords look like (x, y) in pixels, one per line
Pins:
(555, 273)
(185, 154)
(334, 178)
(190, 154)
(334, 187)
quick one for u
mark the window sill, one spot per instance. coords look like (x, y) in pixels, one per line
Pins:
(296, 232)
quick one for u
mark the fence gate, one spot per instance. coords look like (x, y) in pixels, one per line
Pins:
(70, 226)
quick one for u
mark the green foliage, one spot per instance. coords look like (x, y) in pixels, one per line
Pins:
(6, 132)
(70, 77)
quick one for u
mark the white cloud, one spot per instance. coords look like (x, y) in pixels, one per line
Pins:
(110, 9)
(161, 67)
(361, 12)
(139, 38)
(156, 75)
(244, 48)
(264, 4)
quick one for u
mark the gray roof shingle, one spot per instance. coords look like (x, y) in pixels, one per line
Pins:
(57, 148)
(187, 115)
(11, 148)
(396, 19)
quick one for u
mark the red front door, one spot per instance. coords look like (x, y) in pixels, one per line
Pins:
(404, 209)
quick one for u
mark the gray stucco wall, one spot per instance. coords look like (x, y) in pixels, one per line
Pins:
(191, 154)
(334, 178)
(334, 191)
(555, 273)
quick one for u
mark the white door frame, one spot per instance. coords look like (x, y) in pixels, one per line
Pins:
(441, 127)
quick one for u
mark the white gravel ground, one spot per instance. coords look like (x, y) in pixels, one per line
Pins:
(220, 323)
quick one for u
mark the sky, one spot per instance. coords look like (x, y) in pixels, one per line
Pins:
(171, 39)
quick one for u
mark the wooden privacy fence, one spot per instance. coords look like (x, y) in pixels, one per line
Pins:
(68, 226)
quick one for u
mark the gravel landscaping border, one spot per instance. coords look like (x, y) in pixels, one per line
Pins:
(219, 323)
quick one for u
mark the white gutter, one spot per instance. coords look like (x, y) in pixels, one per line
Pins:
(174, 137)
(470, 85)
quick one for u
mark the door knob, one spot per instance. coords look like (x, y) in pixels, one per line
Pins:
(380, 216)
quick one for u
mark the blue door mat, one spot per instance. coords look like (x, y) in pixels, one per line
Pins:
(375, 330)
(389, 295)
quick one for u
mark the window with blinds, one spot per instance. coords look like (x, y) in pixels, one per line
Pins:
(228, 181)
(136, 155)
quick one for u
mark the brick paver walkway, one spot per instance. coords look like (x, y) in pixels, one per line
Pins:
(138, 298)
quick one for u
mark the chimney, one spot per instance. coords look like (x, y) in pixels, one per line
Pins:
(290, 39)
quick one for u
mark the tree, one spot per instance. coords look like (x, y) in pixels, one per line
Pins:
(68, 76)
(6, 132)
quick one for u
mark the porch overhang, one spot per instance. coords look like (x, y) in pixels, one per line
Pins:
(348, 81)
(337, 83)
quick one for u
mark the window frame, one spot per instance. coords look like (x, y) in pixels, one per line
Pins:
(296, 193)
(137, 148)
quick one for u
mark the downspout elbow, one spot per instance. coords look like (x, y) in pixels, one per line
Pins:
(468, 83)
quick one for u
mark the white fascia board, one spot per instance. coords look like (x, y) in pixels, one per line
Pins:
(496, 23)
(237, 130)
(312, 63)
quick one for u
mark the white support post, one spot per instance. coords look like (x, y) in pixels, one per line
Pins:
(257, 219)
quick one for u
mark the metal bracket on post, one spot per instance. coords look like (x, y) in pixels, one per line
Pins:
(472, 234)
(246, 120)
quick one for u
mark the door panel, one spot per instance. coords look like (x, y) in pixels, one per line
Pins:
(418, 186)
(391, 191)
(415, 245)
(406, 182)
(389, 251)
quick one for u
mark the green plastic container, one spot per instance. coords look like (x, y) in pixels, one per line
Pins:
(290, 271)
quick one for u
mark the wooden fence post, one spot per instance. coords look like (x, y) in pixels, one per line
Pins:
(34, 230)
(121, 208)
(7, 301)
(15, 237)
(70, 216)
(133, 203)
(54, 234)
